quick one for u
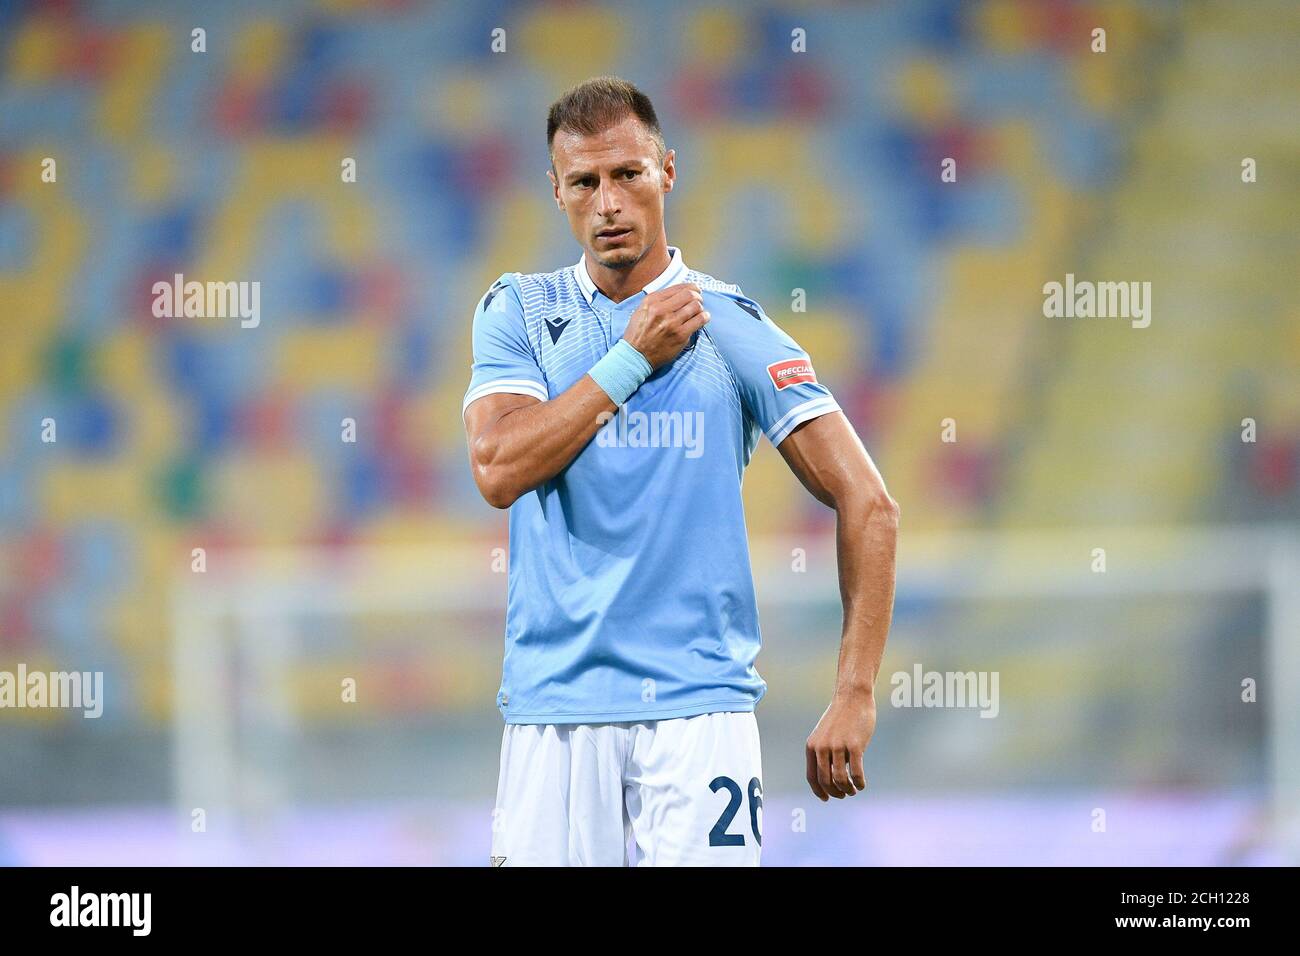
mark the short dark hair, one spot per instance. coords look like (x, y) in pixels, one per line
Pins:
(598, 104)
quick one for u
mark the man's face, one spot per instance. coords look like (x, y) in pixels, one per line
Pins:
(611, 185)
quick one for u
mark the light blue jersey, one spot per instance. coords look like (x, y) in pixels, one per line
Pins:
(630, 595)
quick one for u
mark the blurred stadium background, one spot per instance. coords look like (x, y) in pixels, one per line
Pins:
(377, 560)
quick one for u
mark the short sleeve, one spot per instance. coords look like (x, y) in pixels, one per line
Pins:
(776, 379)
(503, 359)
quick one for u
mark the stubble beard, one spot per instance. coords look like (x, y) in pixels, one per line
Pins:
(626, 258)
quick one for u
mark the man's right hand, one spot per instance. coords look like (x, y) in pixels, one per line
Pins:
(662, 325)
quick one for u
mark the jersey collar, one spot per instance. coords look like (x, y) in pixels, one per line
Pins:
(675, 272)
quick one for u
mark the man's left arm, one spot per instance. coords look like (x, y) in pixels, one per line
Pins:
(800, 416)
(828, 458)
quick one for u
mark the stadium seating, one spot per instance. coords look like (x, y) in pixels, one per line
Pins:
(816, 172)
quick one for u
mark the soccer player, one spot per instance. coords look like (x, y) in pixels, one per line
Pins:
(613, 407)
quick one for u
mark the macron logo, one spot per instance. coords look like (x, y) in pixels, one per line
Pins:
(791, 372)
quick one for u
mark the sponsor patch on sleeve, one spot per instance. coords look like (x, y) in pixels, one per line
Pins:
(791, 372)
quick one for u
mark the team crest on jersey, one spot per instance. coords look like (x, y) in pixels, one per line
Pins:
(791, 372)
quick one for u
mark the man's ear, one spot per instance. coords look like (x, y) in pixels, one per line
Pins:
(555, 188)
(669, 172)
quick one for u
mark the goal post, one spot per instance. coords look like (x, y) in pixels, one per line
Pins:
(264, 636)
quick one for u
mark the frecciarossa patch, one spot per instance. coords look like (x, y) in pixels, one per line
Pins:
(791, 372)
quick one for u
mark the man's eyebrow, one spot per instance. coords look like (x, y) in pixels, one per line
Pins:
(583, 173)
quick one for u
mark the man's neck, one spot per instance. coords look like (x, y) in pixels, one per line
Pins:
(619, 284)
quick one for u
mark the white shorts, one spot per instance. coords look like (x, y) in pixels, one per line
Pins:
(681, 792)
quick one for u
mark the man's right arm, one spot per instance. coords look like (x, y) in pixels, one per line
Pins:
(517, 442)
